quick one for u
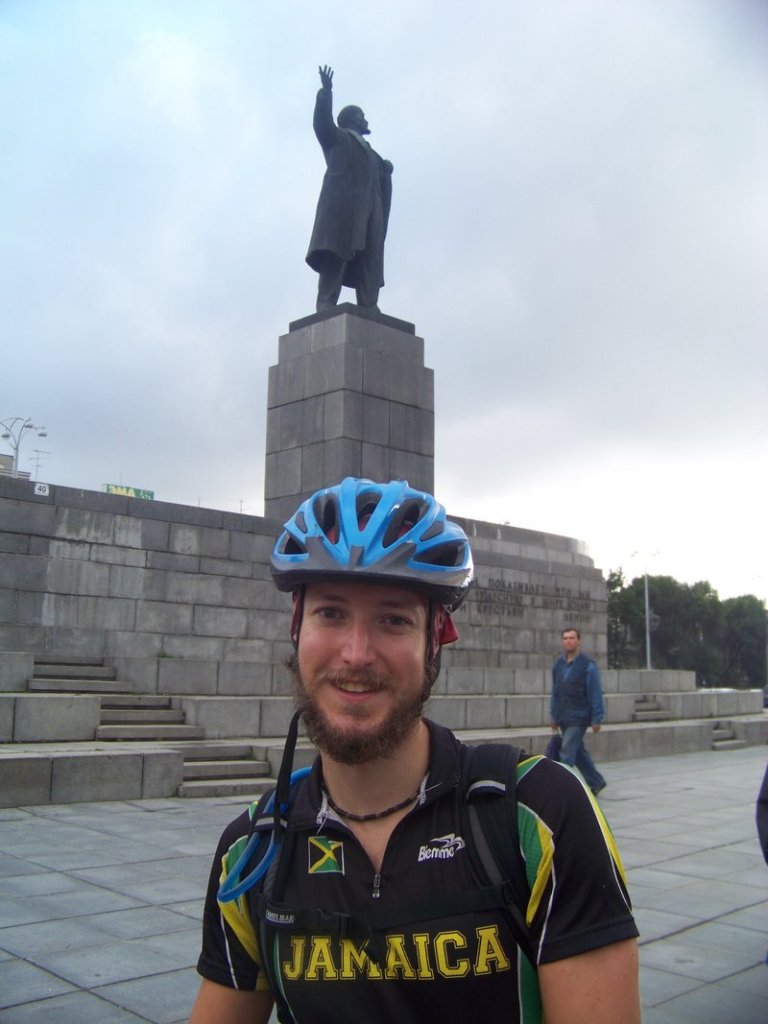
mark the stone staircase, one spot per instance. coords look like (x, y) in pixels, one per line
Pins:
(210, 768)
(224, 769)
(649, 709)
(724, 737)
(141, 717)
(71, 674)
(124, 715)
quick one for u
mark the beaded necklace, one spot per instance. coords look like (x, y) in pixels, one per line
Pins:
(370, 817)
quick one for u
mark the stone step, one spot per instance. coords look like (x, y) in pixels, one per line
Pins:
(249, 789)
(651, 716)
(722, 732)
(733, 744)
(142, 716)
(218, 769)
(135, 700)
(56, 685)
(66, 659)
(149, 732)
(211, 750)
(58, 670)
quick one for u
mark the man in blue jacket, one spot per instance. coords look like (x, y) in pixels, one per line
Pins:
(575, 705)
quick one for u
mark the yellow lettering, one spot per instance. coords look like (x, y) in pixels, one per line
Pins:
(321, 960)
(315, 962)
(397, 959)
(355, 960)
(292, 968)
(461, 967)
(490, 951)
(421, 942)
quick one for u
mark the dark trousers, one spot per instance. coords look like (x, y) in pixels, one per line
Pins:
(574, 753)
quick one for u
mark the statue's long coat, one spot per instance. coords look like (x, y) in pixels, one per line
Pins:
(348, 195)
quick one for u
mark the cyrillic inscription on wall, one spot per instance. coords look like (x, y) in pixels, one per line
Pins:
(514, 599)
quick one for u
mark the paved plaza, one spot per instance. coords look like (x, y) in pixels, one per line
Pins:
(100, 903)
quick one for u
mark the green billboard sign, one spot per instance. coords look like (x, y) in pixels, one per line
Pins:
(128, 492)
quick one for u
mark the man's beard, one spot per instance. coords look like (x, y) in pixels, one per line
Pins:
(346, 746)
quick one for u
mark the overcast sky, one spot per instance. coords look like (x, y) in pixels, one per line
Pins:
(579, 231)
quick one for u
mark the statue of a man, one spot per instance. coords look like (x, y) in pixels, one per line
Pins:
(347, 244)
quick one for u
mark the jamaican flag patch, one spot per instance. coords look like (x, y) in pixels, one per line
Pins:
(326, 856)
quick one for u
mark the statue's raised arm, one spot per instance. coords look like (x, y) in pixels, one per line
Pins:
(347, 244)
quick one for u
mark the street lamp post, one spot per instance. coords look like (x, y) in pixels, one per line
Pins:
(15, 429)
(647, 624)
(647, 609)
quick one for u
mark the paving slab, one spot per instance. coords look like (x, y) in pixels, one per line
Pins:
(100, 903)
(140, 923)
(76, 1008)
(658, 987)
(38, 883)
(85, 899)
(754, 918)
(712, 1004)
(656, 924)
(706, 899)
(21, 982)
(43, 937)
(13, 866)
(120, 960)
(164, 999)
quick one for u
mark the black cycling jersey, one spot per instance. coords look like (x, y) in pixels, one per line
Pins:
(463, 966)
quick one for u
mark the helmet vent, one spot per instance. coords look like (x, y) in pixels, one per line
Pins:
(292, 547)
(443, 554)
(327, 516)
(433, 531)
(365, 506)
(400, 524)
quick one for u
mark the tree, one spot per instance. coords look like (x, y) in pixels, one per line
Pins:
(617, 628)
(724, 643)
(744, 642)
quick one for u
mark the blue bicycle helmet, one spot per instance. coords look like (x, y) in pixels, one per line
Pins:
(375, 532)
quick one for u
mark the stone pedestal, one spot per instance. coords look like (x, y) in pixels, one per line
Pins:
(349, 396)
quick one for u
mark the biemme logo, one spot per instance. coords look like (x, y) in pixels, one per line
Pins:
(441, 848)
(326, 856)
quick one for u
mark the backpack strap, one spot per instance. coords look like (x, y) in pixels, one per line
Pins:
(266, 856)
(259, 903)
(488, 805)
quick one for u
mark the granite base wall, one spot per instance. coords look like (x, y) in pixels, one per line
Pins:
(34, 777)
(180, 599)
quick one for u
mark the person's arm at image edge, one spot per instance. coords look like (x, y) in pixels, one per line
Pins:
(218, 1004)
(599, 987)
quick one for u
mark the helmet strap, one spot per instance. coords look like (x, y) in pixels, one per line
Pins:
(282, 789)
(440, 630)
(297, 614)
